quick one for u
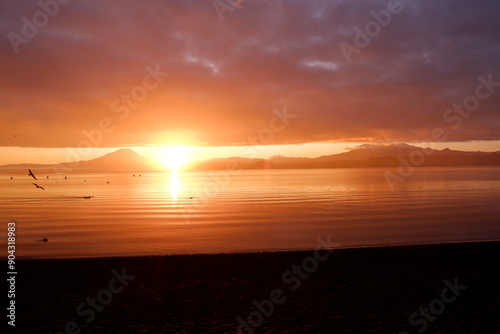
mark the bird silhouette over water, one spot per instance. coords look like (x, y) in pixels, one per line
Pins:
(37, 186)
(45, 240)
(31, 174)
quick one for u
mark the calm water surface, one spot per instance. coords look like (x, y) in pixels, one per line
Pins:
(203, 212)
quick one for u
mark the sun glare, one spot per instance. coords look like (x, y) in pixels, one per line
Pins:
(174, 158)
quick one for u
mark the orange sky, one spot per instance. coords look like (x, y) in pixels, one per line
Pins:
(112, 74)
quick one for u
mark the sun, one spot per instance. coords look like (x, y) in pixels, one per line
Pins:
(174, 158)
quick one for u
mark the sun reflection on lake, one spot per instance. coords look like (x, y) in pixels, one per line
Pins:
(175, 184)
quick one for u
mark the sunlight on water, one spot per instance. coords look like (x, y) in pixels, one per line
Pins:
(175, 184)
(195, 212)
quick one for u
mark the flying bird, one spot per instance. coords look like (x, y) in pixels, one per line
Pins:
(31, 174)
(37, 186)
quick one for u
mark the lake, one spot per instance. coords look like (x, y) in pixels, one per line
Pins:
(256, 210)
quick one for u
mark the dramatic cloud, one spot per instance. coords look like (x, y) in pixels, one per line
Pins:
(225, 77)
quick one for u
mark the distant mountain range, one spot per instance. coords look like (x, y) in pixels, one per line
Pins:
(127, 160)
(362, 156)
(123, 160)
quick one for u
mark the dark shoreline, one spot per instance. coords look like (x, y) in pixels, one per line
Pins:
(355, 290)
(373, 246)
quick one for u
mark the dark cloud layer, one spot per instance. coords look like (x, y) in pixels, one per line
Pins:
(225, 77)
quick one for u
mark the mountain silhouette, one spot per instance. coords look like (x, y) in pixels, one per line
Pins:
(367, 155)
(122, 160)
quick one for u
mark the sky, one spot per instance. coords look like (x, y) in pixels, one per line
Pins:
(299, 78)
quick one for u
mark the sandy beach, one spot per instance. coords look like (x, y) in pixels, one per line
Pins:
(368, 290)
